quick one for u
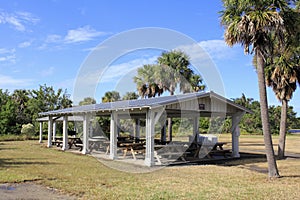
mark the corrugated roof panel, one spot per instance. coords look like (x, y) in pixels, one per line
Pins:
(138, 103)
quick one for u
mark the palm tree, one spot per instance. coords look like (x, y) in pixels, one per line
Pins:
(244, 101)
(282, 74)
(130, 96)
(195, 83)
(87, 101)
(250, 23)
(283, 70)
(111, 96)
(283, 80)
(174, 70)
(146, 81)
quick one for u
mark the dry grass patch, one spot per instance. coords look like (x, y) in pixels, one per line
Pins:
(87, 178)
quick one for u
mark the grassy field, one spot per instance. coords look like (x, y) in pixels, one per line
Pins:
(87, 178)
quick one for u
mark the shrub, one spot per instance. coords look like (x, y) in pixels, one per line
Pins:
(28, 131)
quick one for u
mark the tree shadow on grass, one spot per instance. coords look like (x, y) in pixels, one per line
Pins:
(247, 161)
(244, 159)
(291, 176)
(20, 162)
(4, 146)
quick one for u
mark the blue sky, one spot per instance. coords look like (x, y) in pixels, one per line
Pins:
(46, 42)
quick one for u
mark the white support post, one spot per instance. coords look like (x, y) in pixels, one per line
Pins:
(195, 128)
(41, 132)
(163, 133)
(86, 122)
(113, 135)
(50, 127)
(170, 129)
(149, 158)
(91, 131)
(235, 133)
(235, 142)
(118, 127)
(54, 131)
(65, 133)
(137, 123)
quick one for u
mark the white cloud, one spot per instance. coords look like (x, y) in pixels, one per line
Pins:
(47, 72)
(97, 48)
(53, 38)
(116, 72)
(4, 51)
(18, 19)
(7, 55)
(28, 17)
(24, 44)
(82, 34)
(8, 81)
(215, 49)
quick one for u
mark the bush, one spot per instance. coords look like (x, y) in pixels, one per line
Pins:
(28, 131)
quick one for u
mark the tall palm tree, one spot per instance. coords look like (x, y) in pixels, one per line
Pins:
(250, 22)
(174, 70)
(283, 80)
(283, 69)
(283, 74)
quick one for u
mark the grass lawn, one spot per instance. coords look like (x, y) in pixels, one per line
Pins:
(87, 178)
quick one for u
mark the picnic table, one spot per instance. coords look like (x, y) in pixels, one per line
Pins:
(76, 141)
(132, 147)
(97, 142)
(208, 149)
(170, 151)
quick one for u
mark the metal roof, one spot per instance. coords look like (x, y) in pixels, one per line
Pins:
(139, 103)
(70, 118)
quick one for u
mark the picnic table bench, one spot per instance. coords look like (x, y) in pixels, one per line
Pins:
(170, 152)
(133, 148)
(209, 150)
(76, 141)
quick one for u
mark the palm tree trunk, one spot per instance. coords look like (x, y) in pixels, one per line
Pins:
(272, 165)
(282, 132)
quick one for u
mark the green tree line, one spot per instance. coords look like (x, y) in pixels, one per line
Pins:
(22, 106)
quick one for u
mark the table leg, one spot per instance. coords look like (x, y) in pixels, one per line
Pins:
(157, 157)
(124, 153)
(133, 153)
(107, 150)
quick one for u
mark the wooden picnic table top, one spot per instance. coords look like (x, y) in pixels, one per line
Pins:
(215, 146)
(98, 139)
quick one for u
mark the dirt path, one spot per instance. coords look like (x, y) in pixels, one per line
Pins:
(30, 191)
